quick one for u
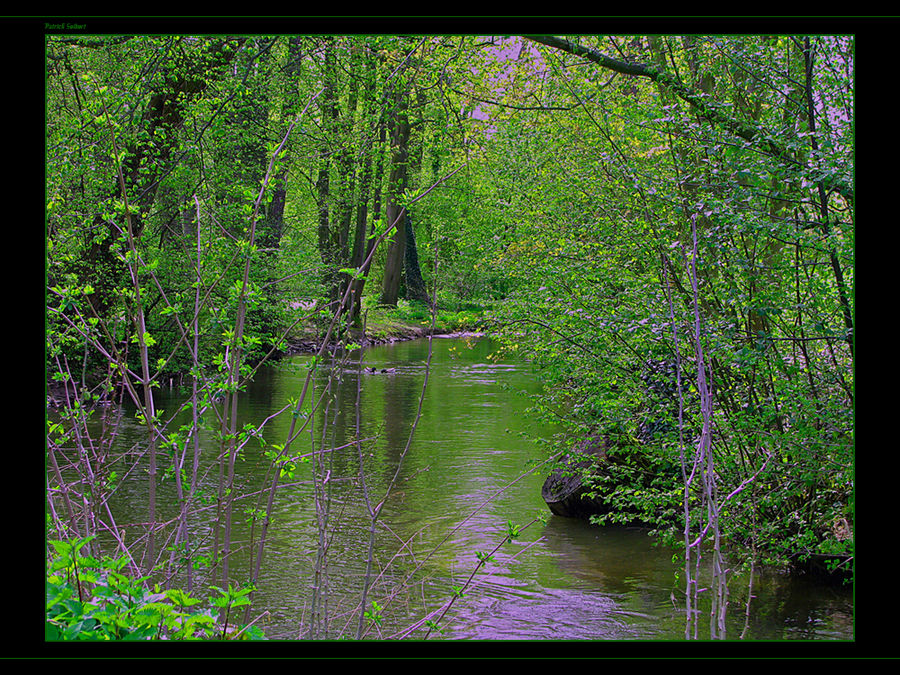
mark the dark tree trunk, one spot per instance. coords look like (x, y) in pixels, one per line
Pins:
(272, 228)
(369, 180)
(146, 164)
(346, 176)
(415, 285)
(326, 240)
(365, 243)
(843, 296)
(393, 266)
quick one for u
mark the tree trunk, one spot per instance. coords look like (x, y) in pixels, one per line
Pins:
(393, 266)
(329, 111)
(415, 285)
(346, 175)
(362, 245)
(146, 164)
(843, 295)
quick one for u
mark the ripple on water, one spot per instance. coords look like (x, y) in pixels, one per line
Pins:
(505, 613)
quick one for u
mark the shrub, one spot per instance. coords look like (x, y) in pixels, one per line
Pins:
(92, 599)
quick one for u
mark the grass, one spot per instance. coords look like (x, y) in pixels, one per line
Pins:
(407, 320)
(414, 317)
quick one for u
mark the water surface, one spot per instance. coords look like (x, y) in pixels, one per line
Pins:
(466, 474)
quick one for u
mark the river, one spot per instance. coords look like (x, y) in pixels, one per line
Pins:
(469, 472)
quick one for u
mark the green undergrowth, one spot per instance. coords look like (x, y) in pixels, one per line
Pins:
(414, 318)
(94, 599)
(409, 319)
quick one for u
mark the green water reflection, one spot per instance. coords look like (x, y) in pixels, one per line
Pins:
(464, 478)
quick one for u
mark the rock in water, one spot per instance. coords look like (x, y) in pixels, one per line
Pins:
(564, 490)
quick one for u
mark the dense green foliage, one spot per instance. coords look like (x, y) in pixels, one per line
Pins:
(599, 238)
(639, 216)
(90, 599)
(601, 251)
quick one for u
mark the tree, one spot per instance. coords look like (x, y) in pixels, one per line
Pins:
(620, 177)
(395, 209)
(668, 232)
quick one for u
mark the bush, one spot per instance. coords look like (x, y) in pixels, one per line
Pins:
(91, 599)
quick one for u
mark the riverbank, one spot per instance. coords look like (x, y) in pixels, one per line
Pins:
(406, 321)
(383, 325)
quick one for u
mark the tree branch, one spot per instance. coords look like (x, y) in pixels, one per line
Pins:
(702, 104)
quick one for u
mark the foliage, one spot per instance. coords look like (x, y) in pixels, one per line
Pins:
(636, 214)
(409, 317)
(598, 201)
(94, 599)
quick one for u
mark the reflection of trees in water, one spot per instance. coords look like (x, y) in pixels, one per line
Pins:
(624, 563)
(613, 559)
(446, 476)
(793, 607)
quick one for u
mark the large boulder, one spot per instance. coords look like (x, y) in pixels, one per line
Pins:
(564, 490)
